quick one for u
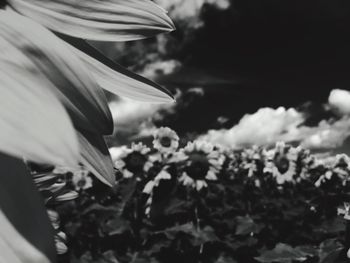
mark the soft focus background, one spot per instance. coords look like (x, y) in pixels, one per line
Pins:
(234, 64)
(245, 73)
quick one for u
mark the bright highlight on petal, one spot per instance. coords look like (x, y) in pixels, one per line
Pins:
(108, 20)
(33, 122)
(30, 46)
(96, 158)
(117, 79)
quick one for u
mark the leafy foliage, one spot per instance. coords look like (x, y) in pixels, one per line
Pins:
(257, 205)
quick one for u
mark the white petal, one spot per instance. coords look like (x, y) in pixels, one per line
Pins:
(27, 45)
(119, 164)
(96, 157)
(127, 174)
(200, 184)
(33, 122)
(163, 175)
(148, 187)
(125, 83)
(211, 176)
(108, 20)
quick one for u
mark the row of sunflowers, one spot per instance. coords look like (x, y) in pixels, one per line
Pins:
(197, 202)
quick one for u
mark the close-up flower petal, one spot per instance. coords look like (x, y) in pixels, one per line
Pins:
(96, 157)
(109, 20)
(117, 79)
(34, 124)
(30, 46)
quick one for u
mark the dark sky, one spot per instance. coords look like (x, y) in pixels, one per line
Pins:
(261, 53)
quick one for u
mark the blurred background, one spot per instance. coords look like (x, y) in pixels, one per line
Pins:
(245, 72)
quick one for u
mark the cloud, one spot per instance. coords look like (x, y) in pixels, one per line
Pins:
(190, 9)
(327, 135)
(128, 114)
(267, 126)
(340, 101)
(160, 68)
(264, 127)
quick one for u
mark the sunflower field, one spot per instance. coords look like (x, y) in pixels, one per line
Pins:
(177, 201)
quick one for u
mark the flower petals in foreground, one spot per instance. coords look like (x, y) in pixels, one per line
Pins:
(32, 47)
(33, 122)
(96, 158)
(108, 20)
(117, 79)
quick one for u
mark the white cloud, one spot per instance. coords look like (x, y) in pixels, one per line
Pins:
(129, 114)
(189, 9)
(264, 127)
(158, 68)
(327, 135)
(268, 126)
(340, 101)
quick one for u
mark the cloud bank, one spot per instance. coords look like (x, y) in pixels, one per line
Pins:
(261, 128)
(267, 126)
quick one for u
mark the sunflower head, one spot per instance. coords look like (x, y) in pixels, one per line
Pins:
(132, 161)
(81, 180)
(342, 161)
(166, 140)
(203, 163)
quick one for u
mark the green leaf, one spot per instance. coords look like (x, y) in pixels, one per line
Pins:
(246, 226)
(34, 124)
(106, 257)
(198, 236)
(27, 46)
(225, 259)
(329, 250)
(283, 253)
(126, 190)
(176, 206)
(22, 205)
(108, 20)
(115, 226)
(332, 256)
(333, 226)
(115, 78)
(95, 156)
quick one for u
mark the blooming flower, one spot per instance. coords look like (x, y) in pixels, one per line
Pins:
(133, 161)
(342, 167)
(81, 180)
(281, 163)
(203, 163)
(61, 69)
(53, 107)
(339, 168)
(166, 140)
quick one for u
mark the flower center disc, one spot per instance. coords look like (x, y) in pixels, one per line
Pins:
(165, 141)
(282, 164)
(81, 183)
(135, 162)
(199, 166)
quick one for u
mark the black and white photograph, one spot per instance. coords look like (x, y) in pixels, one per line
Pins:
(174, 131)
